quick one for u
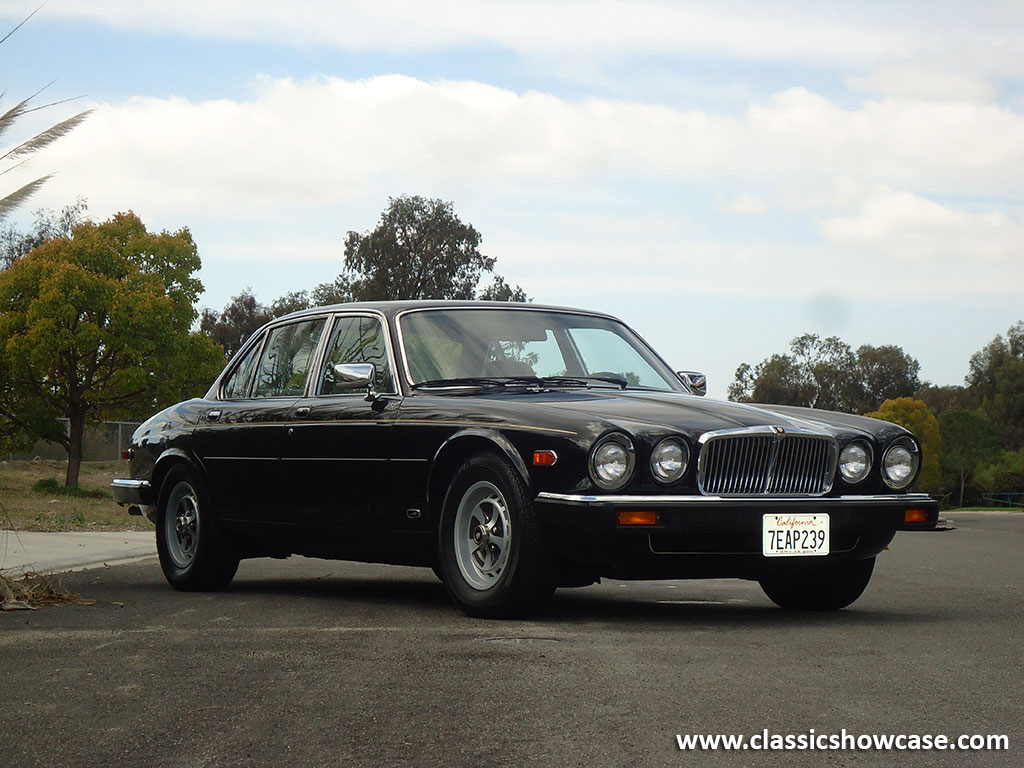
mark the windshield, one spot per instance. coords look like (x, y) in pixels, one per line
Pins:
(470, 346)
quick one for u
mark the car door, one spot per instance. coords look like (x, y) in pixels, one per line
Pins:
(336, 445)
(239, 439)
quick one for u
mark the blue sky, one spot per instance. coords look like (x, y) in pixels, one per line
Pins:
(722, 176)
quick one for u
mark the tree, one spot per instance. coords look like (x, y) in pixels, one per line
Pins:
(915, 416)
(968, 440)
(827, 374)
(499, 290)
(996, 379)
(14, 244)
(291, 302)
(24, 149)
(95, 326)
(886, 373)
(240, 318)
(419, 250)
(940, 399)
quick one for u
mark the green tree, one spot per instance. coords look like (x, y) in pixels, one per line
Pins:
(885, 373)
(240, 318)
(24, 149)
(940, 399)
(420, 249)
(968, 440)
(499, 290)
(827, 374)
(48, 225)
(996, 379)
(915, 416)
(95, 326)
(1004, 473)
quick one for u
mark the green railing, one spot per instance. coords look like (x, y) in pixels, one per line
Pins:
(1007, 499)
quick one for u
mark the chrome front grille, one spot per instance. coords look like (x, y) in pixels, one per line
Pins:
(766, 460)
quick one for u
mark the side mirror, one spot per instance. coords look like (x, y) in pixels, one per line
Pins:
(697, 383)
(355, 376)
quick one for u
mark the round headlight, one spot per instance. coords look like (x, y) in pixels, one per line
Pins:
(611, 462)
(855, 462)
(669, 459)
(900, 463)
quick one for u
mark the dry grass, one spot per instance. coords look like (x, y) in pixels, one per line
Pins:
(24, 509)
(34, 590)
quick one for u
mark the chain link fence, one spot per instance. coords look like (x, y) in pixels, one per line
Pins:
(103, 443)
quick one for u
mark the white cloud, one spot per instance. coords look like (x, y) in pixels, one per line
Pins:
(921, 83)
(745, 205)
(744, 30)
(327, 139)
(983, 38)
(905, 226)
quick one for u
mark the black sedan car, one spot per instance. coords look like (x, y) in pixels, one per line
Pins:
(514, 449)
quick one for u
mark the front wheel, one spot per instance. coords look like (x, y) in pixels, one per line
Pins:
(492, 554)
(194, 553)
(822, 589)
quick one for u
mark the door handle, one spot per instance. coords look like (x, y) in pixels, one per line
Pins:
(212, 415)
(302, 412)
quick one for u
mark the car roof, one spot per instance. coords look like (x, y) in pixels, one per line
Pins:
(392, 308)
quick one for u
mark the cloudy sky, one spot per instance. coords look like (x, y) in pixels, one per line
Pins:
(723, 176)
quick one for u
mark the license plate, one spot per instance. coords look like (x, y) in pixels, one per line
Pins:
(794, 535)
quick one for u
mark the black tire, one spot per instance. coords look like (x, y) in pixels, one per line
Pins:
(488, 500)
(195, 555)
(820, 589)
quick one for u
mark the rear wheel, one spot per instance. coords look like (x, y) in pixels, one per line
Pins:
(821, 589)
(492, 554)
(195, 555)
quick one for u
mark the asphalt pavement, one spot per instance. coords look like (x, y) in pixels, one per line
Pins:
(306, 662)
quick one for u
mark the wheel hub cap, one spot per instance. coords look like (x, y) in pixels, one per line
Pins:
(482, 535)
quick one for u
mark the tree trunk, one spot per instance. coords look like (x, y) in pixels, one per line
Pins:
(77, 432)
(962, 479)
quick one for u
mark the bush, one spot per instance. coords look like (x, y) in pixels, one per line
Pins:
(51, 486)
(47, 485)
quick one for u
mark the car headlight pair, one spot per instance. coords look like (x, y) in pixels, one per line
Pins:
(899, 462)
(613, 460)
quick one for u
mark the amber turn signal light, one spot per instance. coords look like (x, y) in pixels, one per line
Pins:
(916, 516)
(545, 458)
(638, 517)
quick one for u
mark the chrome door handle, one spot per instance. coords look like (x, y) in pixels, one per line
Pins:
(302, 412)
(212, 415)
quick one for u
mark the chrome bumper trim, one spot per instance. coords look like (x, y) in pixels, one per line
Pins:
(610, 500)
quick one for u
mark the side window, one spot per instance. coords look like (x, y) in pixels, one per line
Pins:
(287, 356)
(357, 340)
(237, 384)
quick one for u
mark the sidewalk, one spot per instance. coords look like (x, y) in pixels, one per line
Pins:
(22, 551)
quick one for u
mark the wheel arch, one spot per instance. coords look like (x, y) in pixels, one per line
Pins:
(167, 460)
(457, 449)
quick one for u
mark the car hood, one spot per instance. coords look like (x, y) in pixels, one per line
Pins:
(635, 410)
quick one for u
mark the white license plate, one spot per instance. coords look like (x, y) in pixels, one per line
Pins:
(794, 535)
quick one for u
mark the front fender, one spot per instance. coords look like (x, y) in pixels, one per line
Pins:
(464, 443)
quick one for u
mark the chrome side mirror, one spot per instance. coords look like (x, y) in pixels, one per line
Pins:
(349, 376)
(697, 383)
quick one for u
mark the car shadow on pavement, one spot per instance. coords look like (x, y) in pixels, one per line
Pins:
(585, 605)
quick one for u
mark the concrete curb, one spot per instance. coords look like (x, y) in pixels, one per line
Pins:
(23, 551)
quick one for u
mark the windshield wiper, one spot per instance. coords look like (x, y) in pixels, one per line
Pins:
(582, 381)
(463, 381)
(501, 382)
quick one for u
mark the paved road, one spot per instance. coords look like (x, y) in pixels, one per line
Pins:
(308, 662)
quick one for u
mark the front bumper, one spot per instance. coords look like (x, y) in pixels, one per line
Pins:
(718, 536)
